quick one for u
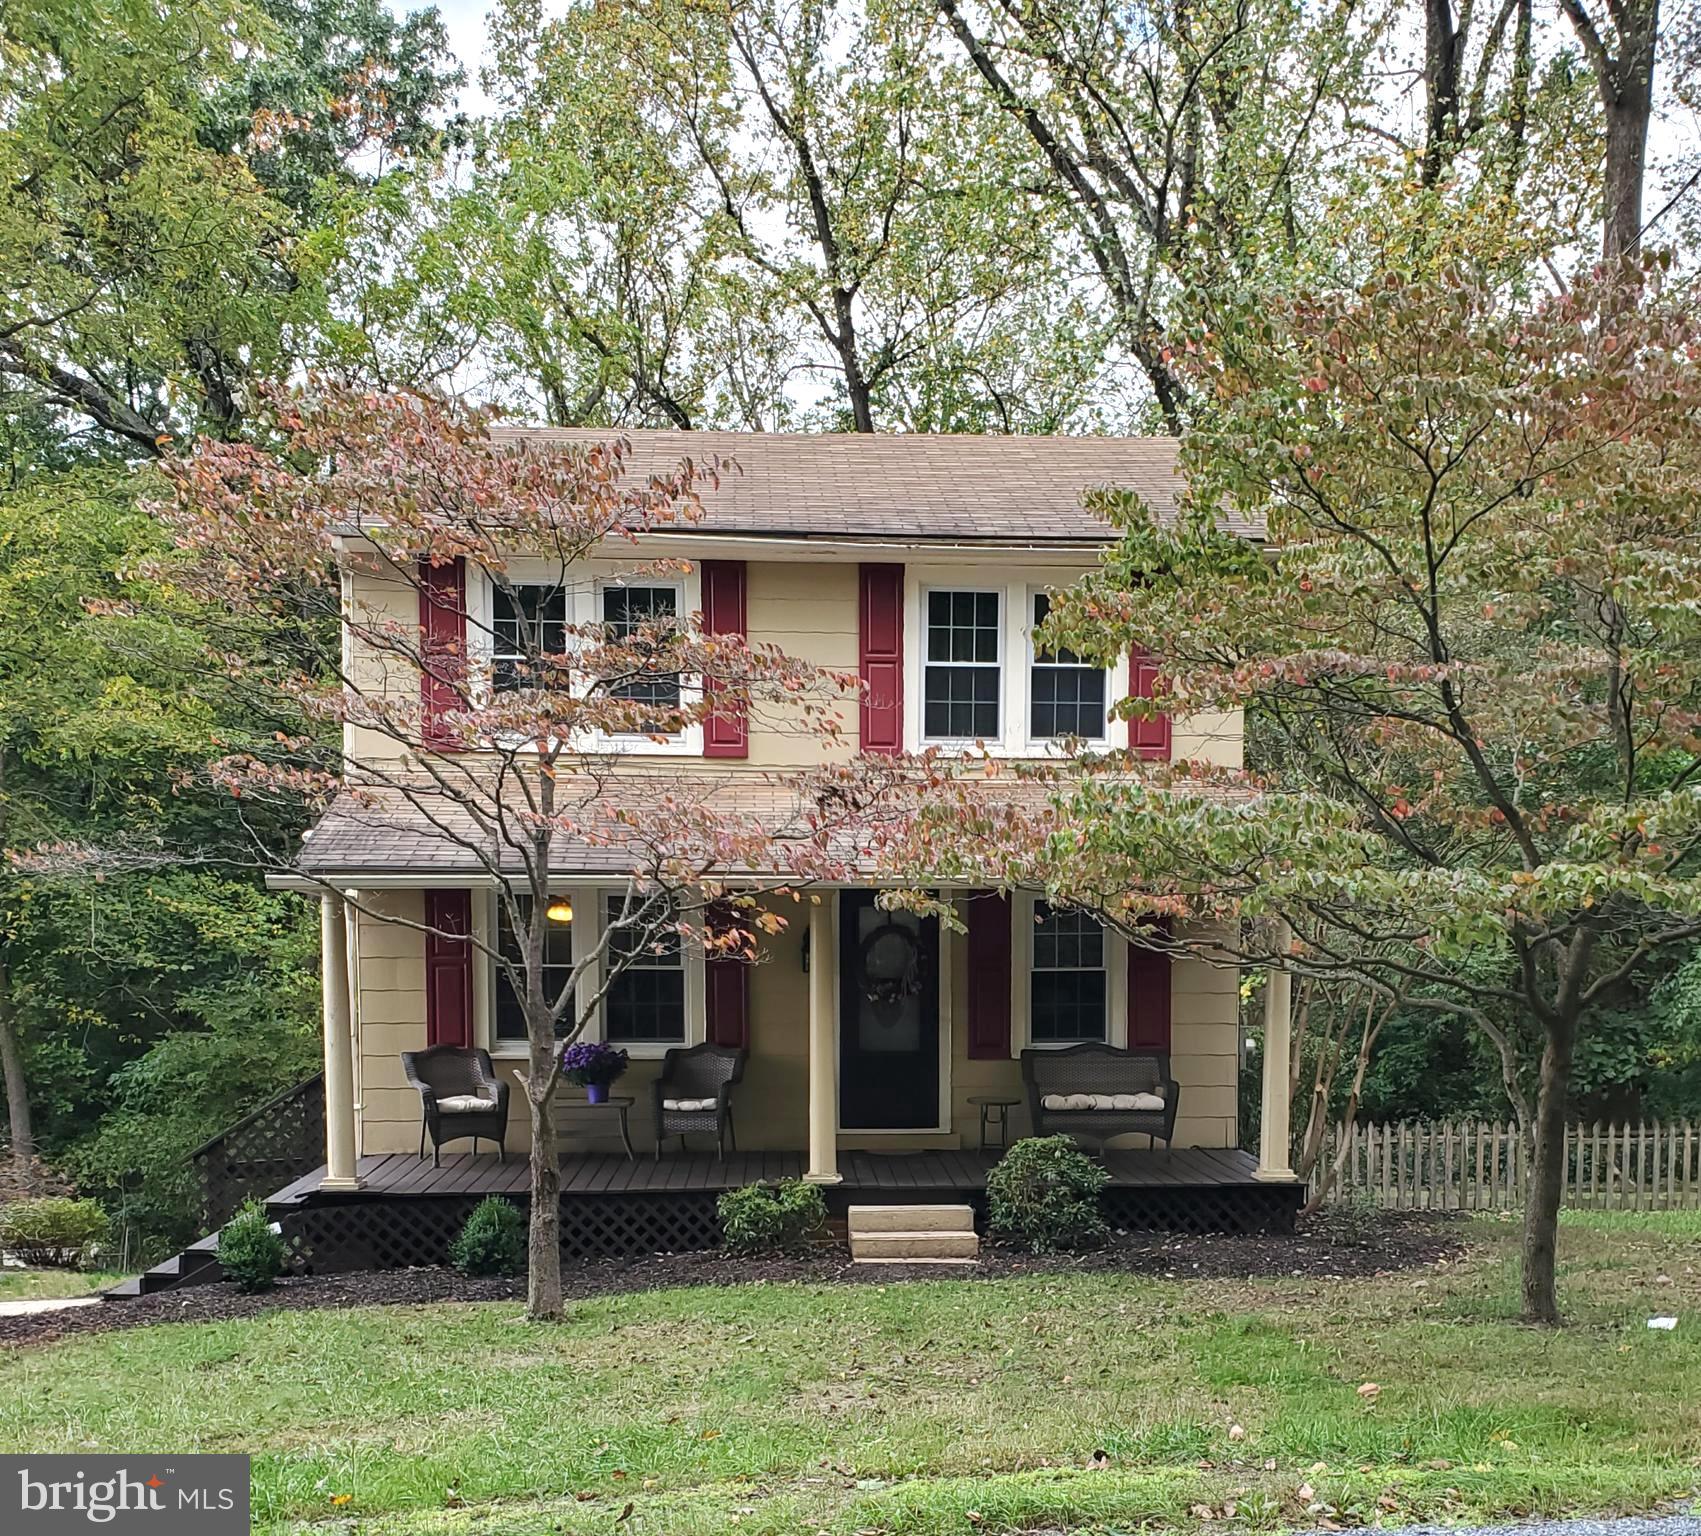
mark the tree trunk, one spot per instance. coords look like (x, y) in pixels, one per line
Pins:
(1441, 89)
(12, 1069)
(543, 1241)
(1627, 115)
(1546, 1186)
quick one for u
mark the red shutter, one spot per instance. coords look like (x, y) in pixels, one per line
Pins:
(726, 1001)
(448, 969)
(726, 733)
(726, 986)
(880, 627)
(989, 976)
(443, 648)
(1148, 999)
(1149, 737)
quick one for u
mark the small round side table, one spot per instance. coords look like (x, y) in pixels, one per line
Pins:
(986, 1103)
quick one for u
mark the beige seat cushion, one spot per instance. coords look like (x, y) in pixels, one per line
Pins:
(689, 1106)
(465, 1104)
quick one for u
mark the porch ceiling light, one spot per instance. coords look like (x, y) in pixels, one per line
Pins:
(559, 910)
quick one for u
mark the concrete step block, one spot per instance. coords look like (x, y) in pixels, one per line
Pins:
(911, 1218)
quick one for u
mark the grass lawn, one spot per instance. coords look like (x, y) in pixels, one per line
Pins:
(930, 1406)
(37, 1284)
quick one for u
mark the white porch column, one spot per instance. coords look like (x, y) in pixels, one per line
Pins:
(339, 1046)
(823, 1048)
(1274, 1128)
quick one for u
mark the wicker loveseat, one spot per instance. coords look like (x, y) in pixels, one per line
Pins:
(460, 1096)
(1099, 1075)
(694, 1093)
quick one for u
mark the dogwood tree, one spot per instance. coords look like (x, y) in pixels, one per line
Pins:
(1474, 643)
(505, 738)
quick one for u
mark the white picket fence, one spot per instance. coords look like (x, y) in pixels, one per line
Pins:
(1481, 1165)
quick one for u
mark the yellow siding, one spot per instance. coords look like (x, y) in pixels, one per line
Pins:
(809, 612)
(390, 1012)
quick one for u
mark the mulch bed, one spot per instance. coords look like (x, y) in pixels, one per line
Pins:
(1333, 1245)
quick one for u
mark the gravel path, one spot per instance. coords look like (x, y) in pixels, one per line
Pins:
(1665, 1525)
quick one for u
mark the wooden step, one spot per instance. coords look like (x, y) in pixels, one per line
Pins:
(911, 1218)
(928, 1247)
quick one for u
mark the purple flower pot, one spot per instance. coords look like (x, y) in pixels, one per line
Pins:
(596, 1093)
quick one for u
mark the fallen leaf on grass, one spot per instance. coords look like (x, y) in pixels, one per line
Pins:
(340, 1499)
(1370, 1391)
(624, 1515)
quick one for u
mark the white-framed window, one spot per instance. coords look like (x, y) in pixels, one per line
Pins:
(963, 672)
(1068, 977)
(1066, 697)
(1069, 992)
(508, 1020)
(655, 1003)
(625, 608)
(972, 677)
(646, 1002)
(527, 619)
(570, 597)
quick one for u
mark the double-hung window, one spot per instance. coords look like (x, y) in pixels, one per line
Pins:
(1068, 989)
(645, 1003)
(528, 625)
(626, 611)
(557, 967)
(1066, 697)
(962, 681)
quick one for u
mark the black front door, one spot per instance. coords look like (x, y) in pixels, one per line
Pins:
(888, 1017)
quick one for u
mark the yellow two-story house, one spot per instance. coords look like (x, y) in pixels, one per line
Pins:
(922, 564)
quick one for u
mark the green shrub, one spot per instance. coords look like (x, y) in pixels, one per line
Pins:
(53, 1230)
(493, 1241)
(1045, 1191)
(250, 1252)
(772, 1218)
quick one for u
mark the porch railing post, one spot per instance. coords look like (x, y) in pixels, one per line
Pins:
(339, 1046)
(823, 1048)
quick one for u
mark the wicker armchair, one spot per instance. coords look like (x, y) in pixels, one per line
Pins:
(460, 1095)
(1101, 1071)
(694, 1093)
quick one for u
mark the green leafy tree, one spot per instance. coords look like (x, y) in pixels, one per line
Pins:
(1474, 629)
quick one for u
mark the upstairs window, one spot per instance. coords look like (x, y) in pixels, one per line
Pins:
(1066, 697)
(557, 967)
(1068, 991)
(527, 623)
(625, 612)
(645, 1003)
(962, 682)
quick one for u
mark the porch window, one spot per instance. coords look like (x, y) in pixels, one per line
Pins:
(625, 612)
(526, 621)
(961, 685)
(1067, 995)
(1066, 696)
(645, 1004)
(557, 967)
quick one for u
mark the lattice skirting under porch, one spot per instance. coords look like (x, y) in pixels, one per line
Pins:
(1235, 1208)
(398, 1234)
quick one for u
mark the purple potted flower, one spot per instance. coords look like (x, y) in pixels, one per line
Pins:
(592, 1065)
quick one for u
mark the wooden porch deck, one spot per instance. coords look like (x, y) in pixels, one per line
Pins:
(403, 1176)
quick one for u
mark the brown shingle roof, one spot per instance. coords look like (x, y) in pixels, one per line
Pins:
(412, 831)
(905, 486)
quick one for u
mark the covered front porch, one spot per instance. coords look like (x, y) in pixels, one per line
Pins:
(835, 1065)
